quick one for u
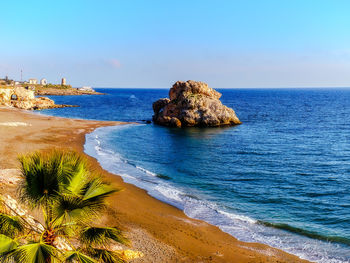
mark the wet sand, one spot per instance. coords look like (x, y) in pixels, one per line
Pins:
(160, 231)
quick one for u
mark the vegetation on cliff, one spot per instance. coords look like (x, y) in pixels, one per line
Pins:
(56, 86)
(60, 90)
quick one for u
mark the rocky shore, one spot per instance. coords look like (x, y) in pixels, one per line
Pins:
(193, 103)
(23, 98)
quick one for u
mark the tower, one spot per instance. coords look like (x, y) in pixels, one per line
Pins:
(63, 81)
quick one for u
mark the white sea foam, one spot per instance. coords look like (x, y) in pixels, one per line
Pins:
(239, 217)
(170, 193)
(145, 171)
(240, 226)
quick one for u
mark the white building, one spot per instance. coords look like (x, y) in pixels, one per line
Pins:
(86, 88)
(33, 81)
(63, 81)
(43, 82)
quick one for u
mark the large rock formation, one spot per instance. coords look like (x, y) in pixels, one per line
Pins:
(193, 103)
(23, 98)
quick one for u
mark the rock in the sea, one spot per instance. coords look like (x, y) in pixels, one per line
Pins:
(193, 103)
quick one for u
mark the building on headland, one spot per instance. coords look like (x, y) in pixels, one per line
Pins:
(86, 88)
(63, 82)
(33, 81)
(43, 82)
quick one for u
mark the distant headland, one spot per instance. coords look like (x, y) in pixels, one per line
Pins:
(43, 87)
(22, 94)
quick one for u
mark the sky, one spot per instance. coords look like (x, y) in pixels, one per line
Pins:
(153, 43)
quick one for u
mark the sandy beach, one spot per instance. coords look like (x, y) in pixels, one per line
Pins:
(161, 232)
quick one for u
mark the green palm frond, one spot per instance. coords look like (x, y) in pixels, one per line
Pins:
(95, 236)
(96, 189)
(38, 252)
(76, 172)
(71, 208)
(7, 244)
(77, 256)
(47, 174)
(86, 205)
(40, 175)
(104, 255)
(77, 181)
(10, 225)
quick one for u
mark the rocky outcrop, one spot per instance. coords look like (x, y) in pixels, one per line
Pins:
(23, 98)
(193, 103)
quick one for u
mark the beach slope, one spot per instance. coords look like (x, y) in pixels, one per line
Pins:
(161, 232)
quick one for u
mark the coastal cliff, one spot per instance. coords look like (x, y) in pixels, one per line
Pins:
(23, 98)
(193, 103)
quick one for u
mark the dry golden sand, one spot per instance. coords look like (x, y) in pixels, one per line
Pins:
(162, 232)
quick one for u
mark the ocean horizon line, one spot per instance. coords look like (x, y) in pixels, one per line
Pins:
(238, 88)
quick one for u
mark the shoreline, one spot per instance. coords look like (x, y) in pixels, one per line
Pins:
(160, 231)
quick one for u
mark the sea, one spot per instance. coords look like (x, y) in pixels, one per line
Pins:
(281, 178)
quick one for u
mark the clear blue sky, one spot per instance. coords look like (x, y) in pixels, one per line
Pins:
(131, 43)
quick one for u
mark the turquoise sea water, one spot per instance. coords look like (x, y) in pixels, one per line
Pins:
(281, 178)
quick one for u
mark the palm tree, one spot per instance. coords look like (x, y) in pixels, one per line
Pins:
(70, 197)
